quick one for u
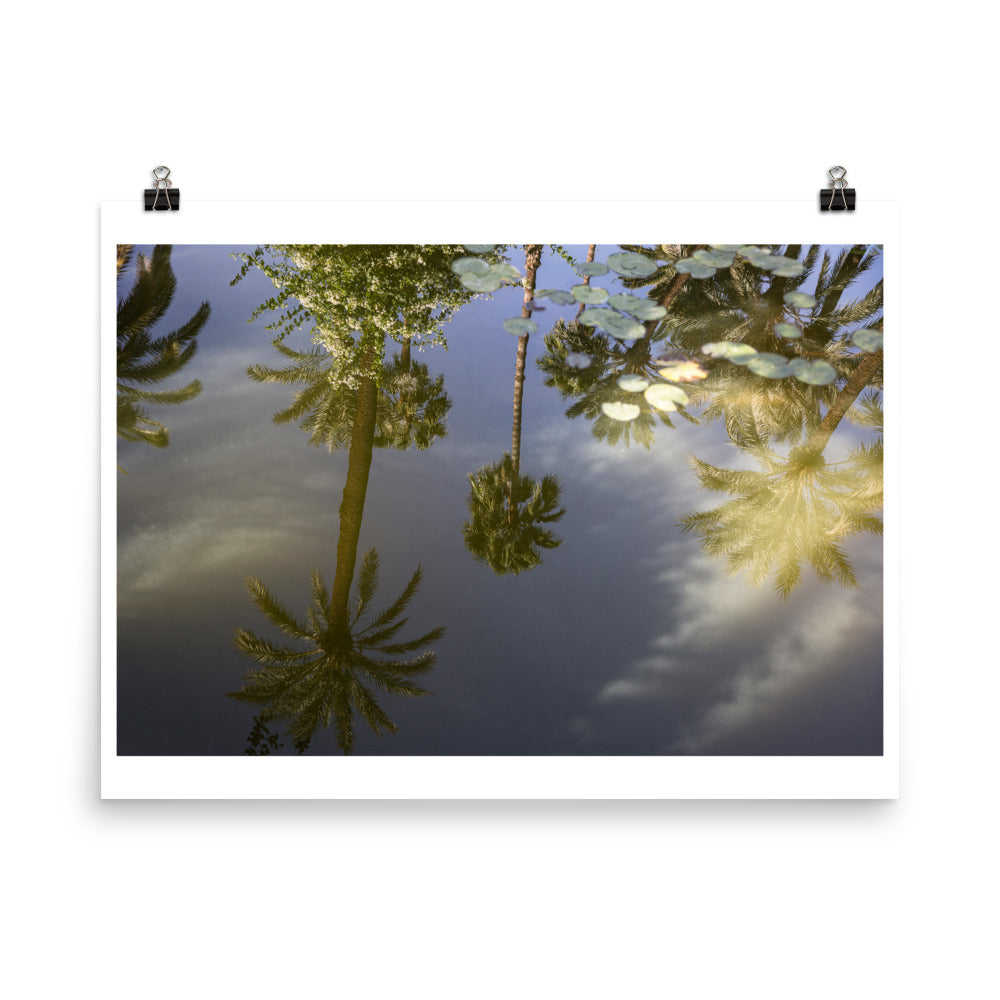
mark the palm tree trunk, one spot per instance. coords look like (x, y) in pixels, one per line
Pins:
(352, 505)
(863, 374)
(591, 251)
(515, 437)
(678, 281)
(532, 258)
(404, 355)
(676, 284)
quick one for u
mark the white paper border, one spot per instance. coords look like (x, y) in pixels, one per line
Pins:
(565, 222)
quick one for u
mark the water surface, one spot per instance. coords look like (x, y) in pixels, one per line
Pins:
(625, 637)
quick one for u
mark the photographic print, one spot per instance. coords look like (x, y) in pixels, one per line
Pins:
(497, 500)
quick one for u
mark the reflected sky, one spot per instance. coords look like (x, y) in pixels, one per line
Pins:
(627, 639)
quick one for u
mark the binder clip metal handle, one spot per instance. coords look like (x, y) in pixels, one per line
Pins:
(163, 197)
(838, 197)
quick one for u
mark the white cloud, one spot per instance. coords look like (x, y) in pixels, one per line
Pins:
(734, 652)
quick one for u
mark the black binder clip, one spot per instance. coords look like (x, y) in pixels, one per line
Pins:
(163, 197)
(838, 197)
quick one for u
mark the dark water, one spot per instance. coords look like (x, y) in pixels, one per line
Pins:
(626, 638)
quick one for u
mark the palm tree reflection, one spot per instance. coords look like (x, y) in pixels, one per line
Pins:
(412, 406)
(509, 512)
(341, 653)
(596, 388)
(798, 509)
(144, 360)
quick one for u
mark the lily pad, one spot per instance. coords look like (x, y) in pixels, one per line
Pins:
(643, 309)
(620, 411)
(688, 265)
(506, 271)
(800, 300)
(772, 262)
(648, 310)
(742, 357)
(727, 247)
(481, 282)
(666, 397)
(632, 265)
(790, 270)
(623, 328)
(713, 258)
(732, 349)
(589, 294)
(769, 365)
(619, 326)
(633, 383)
(596, 317)
(787, 331)
(479, 247)
(594, 268)
(868, 340)
(576, 360)
(518, 326)
(470, 265)
(749, 250)
(624, 301)
(557, 295)
(812, 372)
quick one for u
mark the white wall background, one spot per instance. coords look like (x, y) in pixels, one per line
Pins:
(458, 100)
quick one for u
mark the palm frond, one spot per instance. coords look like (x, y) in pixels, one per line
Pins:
(399, 605)
(366, 585)
(274, 610)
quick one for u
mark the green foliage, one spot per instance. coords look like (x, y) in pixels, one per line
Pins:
(596, 391)
(329, 673)
(562, 252)
(261, 742)
(413, 406)
(351, 297)
(144, 360)
(741, 314)
(508, 517)
(411, 410)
